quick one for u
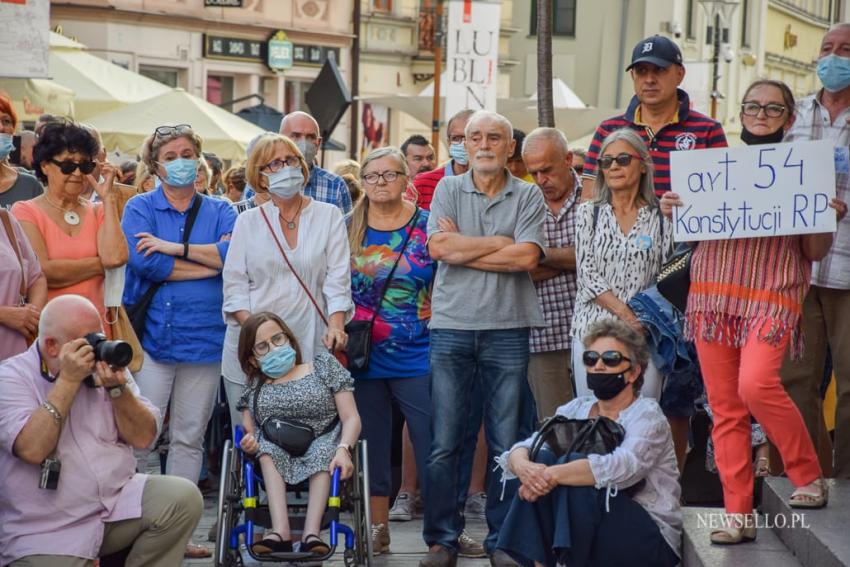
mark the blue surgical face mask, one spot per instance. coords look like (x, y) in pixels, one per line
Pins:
(834, 72)
(278, 362)
(180, 172)
(6, 145)
(458, 152)
(286, 182)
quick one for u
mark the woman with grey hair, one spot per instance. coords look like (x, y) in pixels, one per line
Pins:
(178, 242)
(623, 239)
(391, 277)
(619, 508)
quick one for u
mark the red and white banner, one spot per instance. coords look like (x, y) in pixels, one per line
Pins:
(472, 55)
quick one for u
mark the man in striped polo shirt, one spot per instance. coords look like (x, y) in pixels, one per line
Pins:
(425, 183)
(660, 112)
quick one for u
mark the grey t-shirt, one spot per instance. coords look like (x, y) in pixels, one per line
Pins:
(469, 299)
(24, 188)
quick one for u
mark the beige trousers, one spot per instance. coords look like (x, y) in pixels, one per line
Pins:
(171, 508)
(549, 379)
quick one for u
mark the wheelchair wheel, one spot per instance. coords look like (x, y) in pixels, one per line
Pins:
(229, 507)
(362, 513)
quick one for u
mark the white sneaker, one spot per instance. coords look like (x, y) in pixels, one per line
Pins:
(402, 510)
(476, 506)
(468, 547)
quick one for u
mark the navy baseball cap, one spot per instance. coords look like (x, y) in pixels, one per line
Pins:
(657, 50)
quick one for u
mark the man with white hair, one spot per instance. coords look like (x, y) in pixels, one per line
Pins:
(486, 229)
(70, 492)
(549, 161)
(322, 185)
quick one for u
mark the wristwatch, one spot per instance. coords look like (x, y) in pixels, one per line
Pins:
(116, 391)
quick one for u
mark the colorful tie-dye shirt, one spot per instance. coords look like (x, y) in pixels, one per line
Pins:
(400, 340)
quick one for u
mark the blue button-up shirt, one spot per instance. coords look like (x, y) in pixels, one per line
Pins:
(329, 188)
(184, 321)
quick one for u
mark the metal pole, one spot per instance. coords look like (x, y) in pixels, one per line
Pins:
(354, 140)
(438, 64)
(715, 60)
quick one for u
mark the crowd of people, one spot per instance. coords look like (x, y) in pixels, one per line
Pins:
(479, 297)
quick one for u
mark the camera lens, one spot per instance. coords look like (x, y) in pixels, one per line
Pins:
(114, 353)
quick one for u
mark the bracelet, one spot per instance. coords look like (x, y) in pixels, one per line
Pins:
(54, 413)
(344, 446)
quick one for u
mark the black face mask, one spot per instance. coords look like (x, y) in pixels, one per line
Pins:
(606, 386)
(755, 139)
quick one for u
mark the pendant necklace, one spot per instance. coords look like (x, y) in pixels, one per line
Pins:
(71, 217)
(290, 224)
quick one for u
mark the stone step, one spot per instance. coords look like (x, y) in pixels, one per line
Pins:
(819, 538)
(697, 551)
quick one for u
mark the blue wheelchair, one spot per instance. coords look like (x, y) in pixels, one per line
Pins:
(240, 512)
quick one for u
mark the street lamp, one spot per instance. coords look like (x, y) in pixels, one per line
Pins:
(720, 17)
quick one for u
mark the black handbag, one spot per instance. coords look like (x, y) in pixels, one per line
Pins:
(562, 435)
(360, 332)
(674, 279)
(138, 312)
(292, 436)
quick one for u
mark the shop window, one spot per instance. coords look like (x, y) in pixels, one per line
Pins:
(563, 18)
(164, 75)
(219, 89)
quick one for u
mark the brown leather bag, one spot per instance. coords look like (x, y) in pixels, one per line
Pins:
(122, 330)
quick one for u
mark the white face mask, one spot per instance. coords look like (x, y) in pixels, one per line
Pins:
(285, 183)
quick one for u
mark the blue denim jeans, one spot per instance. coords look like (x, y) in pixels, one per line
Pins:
(499, 358)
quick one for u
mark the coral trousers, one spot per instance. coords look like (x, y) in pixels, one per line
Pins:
(741, 382)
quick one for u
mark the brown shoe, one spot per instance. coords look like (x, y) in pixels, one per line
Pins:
(439, 556)
(380, 539)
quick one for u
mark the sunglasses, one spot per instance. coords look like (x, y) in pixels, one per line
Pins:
(68, 166)
(610, 358)
(623, 160)
(169, 130)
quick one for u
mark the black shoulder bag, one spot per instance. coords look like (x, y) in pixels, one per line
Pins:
(292, 436)
(598, 435)
(360, 332)
(138, 312)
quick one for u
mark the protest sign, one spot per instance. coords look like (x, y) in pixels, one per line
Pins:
(753, 191)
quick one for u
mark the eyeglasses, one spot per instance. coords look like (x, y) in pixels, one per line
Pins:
(388, 176)
(68, 166)
(163, 131)
(276, 165)
(610, 358)
(770, 110)
(263, 347)
(623, 160)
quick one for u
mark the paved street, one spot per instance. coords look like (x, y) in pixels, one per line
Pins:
(407, 545)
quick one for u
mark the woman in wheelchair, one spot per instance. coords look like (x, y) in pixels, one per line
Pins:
(283, 394)
(620, 508)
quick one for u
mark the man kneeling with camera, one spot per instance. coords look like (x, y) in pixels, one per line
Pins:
(70, 417)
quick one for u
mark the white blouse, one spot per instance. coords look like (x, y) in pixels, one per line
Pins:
(609, 260)
(256, 277)
(646, 453)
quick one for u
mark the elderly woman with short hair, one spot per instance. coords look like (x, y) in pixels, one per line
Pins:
(74, 239)
(619, 508)
(287, 239)
(181, 262)
(623, 240)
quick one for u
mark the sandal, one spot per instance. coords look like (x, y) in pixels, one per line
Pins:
(762, 467)
(196, 551)
(312, 544)
(813, 495)
(733, 536)
(268, 545)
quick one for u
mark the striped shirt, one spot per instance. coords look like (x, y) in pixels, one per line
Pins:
(813, 123)
(689, 130)
(745, 286)
(425, 183)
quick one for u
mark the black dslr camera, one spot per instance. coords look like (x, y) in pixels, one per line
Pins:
(117, 354)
